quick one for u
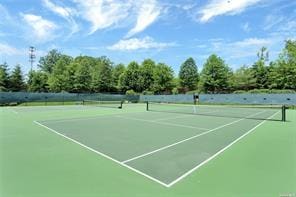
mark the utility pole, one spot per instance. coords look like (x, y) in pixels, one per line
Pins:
(32, 56)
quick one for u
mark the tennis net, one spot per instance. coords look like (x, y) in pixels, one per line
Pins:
(108, 104)
(262, 112)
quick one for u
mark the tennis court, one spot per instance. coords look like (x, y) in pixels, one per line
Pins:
(165, 142)
(91, 149)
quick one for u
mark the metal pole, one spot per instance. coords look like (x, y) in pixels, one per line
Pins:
(283, 113)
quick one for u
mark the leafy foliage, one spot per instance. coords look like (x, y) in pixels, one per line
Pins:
(188, 75)
(4, 77)
(58, 79)
(82, 77)
(215, 76)
(260, 70)
(163, 76)
(146, 72)
(130, 93)
(130, 79)
(283, 73)
(47, 63)
(105, 75)
(59, 72)
(243, 79)
(16, 80)
(117, 71)
(37, 81)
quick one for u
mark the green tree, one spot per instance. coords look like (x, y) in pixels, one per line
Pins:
(283, 72)
(102, 78)
(260, 70)
(4, 77)
(146, 72)
(105, 75)
(37, 81)
(80, 74)
(59, 80)
(215, 76)
(116, 72)
(130, 79)
(243, 79)
(163, 77)
(16, 79)
(188, 75)
(47, 63)
(82, 79)
(70, 76)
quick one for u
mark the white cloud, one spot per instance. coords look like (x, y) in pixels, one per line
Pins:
(244, 48)
(246, 27)
(253, 42)
(6, 49)
(289, 26)
(272, 20)
(148, 12)
(4, 15)
(247, 49)
(136, 44)
(222, 7)
(188, 6)
(42, 29)
(62, 11)
(281, 26)
(65, 12)
(103, 13)
(240, 49)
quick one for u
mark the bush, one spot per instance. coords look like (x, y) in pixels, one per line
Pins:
(240, 92)
(265, 91)
(175, 91)
(147, 92)
(130, 93)
(193, 92)
(259, 91)
(282, 91)
(272, 91)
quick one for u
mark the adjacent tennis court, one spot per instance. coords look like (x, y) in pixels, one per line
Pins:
(162, 142)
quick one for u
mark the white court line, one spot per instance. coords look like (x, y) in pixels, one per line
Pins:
(147, 176)
(102, 154)
(163, 123)
(218, 153)
(187, 139)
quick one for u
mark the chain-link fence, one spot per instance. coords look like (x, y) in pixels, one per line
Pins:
(25, 97)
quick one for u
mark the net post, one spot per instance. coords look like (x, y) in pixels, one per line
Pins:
(121, 103)
(147, 106)
(284, 113)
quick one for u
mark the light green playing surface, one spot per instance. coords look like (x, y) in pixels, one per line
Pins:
(93, 151)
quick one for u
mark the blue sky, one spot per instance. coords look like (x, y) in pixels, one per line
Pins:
(167, 31)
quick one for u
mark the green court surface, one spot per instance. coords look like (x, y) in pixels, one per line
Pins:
(95, 151)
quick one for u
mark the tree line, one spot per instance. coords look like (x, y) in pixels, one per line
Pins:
(58, 72)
